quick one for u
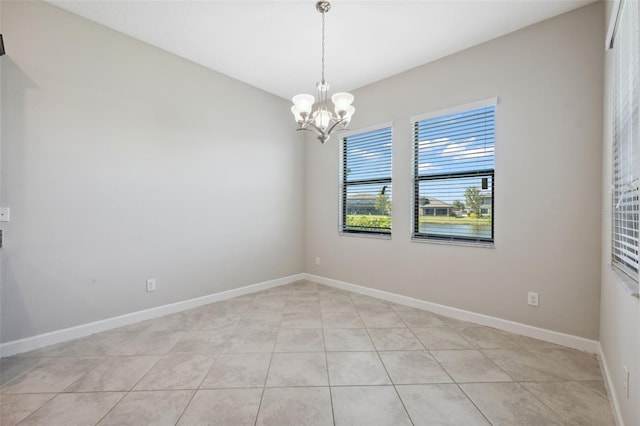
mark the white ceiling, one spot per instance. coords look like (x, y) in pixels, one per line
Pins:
(275, 45)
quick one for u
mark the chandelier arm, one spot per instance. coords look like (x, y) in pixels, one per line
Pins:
(316, 128)
(318, 131)
(341, 120)
(322, 137)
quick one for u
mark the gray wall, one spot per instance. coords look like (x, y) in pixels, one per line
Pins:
(121, 162)
(548, 78)
(619, 311)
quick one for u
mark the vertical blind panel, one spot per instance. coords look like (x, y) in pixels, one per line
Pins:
(626, 117)
(459, 142)
(366, 177)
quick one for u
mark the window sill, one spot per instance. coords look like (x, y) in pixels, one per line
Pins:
(627, 282)
(374, 235)
(453, 242)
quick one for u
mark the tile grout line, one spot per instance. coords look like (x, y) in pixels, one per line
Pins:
(443, 369)
(38, 408)
(474, 403)
(454, 382)
(111, 409)
(395, 388)
(326, 363)
(40, 361)
(129, 391)
(385, 369)
(266, 377)
(195, 391)
(559, 415)
(581, 384)
(496, 365)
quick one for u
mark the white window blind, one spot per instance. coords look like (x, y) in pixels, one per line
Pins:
(366, 182)
(454, 175)
(626, 127)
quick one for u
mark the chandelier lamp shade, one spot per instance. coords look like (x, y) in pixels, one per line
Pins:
(322, 121)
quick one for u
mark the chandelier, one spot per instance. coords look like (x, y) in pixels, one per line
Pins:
(323, 122)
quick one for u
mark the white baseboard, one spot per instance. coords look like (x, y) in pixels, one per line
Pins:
(58, 336)
(563, 339)
(611, 391)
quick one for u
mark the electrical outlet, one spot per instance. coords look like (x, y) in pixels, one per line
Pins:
(532, 298)
(151, 284)
(317, 260)
(626, 382)
(4, 214)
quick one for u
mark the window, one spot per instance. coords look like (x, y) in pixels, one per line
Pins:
(453, 157)
(626, 122)
(366, 182)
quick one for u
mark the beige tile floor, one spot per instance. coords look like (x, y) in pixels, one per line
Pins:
(303, 354)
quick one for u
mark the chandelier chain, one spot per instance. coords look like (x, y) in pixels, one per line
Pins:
(323, 47)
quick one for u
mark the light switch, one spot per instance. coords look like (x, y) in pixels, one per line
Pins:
(4, 214)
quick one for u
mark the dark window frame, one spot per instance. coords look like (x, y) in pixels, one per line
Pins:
(345, 184)
(416, 235)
